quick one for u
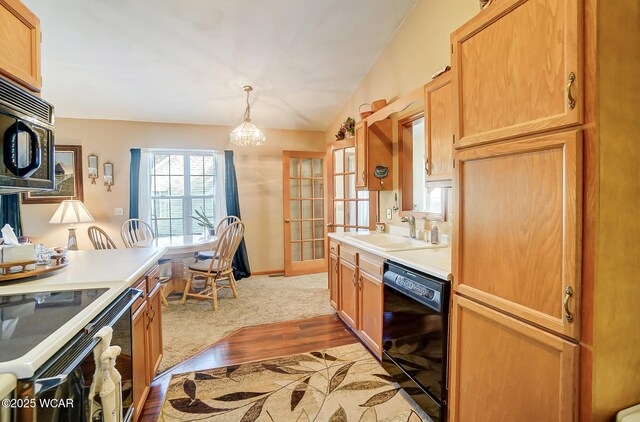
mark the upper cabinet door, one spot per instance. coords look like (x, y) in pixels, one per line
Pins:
(518, 70)
(517, 245)
(439, 133)
(361, 154)
(20, 44)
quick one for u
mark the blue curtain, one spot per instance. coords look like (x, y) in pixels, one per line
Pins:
(134, 183)
(241, 259)
(10, 212)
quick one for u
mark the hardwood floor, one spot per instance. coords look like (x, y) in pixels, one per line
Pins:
(255, 343)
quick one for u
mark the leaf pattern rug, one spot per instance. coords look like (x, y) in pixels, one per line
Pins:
(337, 385)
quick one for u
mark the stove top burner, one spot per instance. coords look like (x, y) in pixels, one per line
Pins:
(28, 319)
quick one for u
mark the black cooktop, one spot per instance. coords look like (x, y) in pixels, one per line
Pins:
(28, 319)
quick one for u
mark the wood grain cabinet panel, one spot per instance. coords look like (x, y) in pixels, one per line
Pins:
(154, 331)
(348, 293)
(361, 154)
(512, 67)
(20, 44)
(506, 370)
(371, 291)
(518, 230)
(439, 113)
(334, 276)
(141, 380)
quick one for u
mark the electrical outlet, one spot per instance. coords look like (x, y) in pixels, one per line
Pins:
(389, 213)
(118, 211)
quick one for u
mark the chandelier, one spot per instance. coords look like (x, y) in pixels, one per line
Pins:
(247, 134)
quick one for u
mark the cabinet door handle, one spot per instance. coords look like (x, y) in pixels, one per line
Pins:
(353, 279)
(426, 166)
(363, 173)
(360, 282)
(568, 294)
(572, 101)
(287, 220)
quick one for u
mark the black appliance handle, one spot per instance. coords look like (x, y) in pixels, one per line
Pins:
(10, 148)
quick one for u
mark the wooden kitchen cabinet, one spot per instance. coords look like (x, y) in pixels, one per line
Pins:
(146, 333)
(518, 230)
(348, 293)
(141, 380)
(504, 369)
(20, 45)
(154, 331)
(360, 297)
(517, 69)
(439, 114)
(334, 276)
(374, 148)
(371, 310)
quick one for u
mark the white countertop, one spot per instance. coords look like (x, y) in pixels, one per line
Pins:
(115, 269)
(435, 261)
(7, 384)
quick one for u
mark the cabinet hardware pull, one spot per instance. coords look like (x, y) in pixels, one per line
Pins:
(572, 101)
(568, 293)
(360, 282)
(426, 166)
(329, 224)
(363, 175)
(353, 279)
(286, 220)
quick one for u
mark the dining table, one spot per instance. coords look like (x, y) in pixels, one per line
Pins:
(180, 248)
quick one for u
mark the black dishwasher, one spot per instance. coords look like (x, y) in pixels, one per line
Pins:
(415, 335)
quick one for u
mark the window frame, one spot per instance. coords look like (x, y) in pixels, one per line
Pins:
(187, 198)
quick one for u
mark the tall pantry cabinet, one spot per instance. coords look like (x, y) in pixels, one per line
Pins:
(524, 309)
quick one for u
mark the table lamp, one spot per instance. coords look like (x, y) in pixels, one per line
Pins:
(71, 212)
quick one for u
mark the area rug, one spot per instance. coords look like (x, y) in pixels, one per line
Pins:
(190, 328)
(338, 385)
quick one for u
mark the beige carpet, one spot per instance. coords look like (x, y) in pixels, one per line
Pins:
(188, 329)
(337, 385)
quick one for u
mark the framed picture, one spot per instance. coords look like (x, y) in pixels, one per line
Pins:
(68, 175)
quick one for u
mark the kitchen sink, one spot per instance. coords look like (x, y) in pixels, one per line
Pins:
(389, 242)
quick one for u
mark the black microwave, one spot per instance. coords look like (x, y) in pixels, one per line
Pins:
(27, 159)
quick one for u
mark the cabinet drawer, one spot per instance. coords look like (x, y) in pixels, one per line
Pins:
(334, 247)
(140, 285)
(347, 253)
(153, 277)
(371, 265)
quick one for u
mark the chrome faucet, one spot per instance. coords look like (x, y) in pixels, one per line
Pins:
(412, 225)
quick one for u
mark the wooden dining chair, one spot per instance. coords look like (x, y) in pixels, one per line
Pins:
(222, 224)
(136, 233)
(100, 239)
(216, 270)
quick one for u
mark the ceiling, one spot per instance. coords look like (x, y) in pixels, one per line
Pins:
(185, 61)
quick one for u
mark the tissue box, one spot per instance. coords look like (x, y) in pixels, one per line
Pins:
(17, 253)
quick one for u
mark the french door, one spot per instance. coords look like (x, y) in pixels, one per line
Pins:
(303, 175)
(349, 209)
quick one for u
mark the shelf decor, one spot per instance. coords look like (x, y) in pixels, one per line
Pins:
(347, 129)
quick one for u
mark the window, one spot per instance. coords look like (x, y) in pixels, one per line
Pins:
(181, 183)
(351, 208)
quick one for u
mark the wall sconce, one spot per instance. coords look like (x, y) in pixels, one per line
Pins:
(92, 170)
(108, 175)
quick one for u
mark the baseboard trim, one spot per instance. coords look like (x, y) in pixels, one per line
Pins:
(267, 272)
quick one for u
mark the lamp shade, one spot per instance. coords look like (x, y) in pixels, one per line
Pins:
(247, 134)
(71, 212)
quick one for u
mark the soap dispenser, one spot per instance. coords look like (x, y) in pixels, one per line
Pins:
(434, 233)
